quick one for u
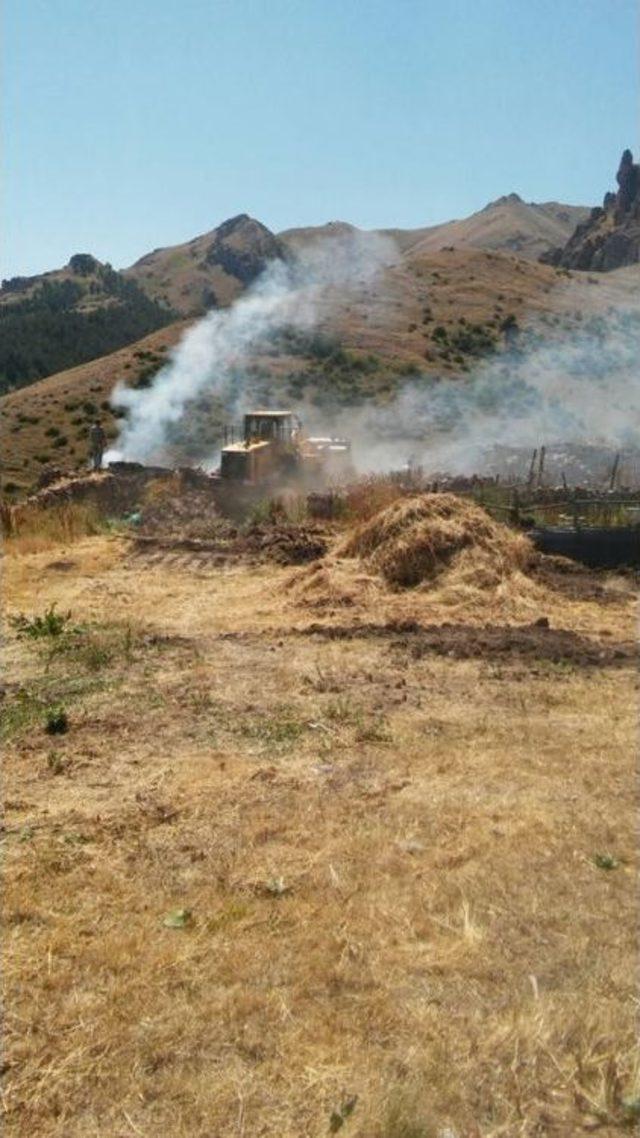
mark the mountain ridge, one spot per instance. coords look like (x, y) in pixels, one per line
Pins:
(428, 315)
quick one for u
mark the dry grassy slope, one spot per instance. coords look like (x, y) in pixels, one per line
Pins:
(397, 314)
(186, 276)
(388, 854)
(213, 268)
(301, 236)
(507, 225)
(67, 403)
(393, 317)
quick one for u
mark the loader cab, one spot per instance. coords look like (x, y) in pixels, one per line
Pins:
(269, 448)
(271, 426)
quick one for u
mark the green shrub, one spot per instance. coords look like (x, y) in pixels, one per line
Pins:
(56, 721)
(50, 624)
(473, 340)
(145, 376)
(408, 367)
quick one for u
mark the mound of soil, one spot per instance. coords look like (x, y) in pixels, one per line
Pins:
(416, 539)
(218, 543)
(110, 495)
(176, 511)
(285, 544)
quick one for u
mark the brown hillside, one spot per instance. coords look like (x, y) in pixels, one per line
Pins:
(210, 270)
(397, 315)
(215, 267)
(507, 225)
(57, 320)
(299, 238)
(47, 423)
(394, 323)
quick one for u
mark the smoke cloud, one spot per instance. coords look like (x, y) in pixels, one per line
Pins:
(580, 390)
(558, 387)
(211, 354)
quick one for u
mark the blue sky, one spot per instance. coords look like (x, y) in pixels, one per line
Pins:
(130, 124)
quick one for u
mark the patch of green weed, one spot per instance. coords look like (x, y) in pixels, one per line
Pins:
(278, 730)
(28, 706)
(373, 729)
(50, 625)
(19, 713)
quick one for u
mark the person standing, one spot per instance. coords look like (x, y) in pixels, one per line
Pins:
(98, 442)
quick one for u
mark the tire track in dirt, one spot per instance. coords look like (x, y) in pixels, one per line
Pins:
(535, 641)
(531, 642)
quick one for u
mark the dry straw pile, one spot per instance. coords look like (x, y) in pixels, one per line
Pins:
(415, 539)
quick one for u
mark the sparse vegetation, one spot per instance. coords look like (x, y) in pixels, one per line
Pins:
(473, 340)
(318, 878)
(56, 721)
(50, 625)
(317, 852)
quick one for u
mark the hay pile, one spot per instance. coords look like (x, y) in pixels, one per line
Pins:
(414, 540)
(330, 585)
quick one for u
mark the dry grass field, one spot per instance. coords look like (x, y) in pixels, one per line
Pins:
(314, 856)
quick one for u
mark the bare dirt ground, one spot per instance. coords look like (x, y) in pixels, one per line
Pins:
(314, 856)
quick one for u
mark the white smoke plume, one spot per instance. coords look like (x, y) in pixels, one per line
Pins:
(576, 386)
(580, 389)
(208, 357)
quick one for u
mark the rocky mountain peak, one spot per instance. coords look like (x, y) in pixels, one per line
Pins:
(610, 237)
(242, 247)
(506, 199)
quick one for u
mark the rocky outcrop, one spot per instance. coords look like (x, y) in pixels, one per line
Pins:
(212, 270)
(628, 179)
(83, 264)
(243, 248)
(610, 237)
